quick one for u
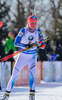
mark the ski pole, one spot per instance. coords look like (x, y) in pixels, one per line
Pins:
(46, 39)
(10, 56)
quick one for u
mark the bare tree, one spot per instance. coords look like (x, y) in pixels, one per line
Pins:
(21, 11)
(19, 20)
(56, 19)
(48, 14)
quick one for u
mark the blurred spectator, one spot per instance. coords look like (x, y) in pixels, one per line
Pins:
(42, 55)
(8, 43)
(11, 51)
(58, 50)
(2, 49)
(53, 56)
(48, 47)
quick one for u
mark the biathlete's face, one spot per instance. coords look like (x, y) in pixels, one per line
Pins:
(32, 22)
(32, 25)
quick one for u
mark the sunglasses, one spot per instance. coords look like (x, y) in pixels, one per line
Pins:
(33, 17)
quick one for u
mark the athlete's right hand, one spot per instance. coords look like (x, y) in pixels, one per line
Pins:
(29, 45)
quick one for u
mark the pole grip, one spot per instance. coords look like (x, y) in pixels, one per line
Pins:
(31, 9)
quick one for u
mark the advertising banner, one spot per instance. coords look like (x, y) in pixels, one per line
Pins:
(23, 78)
(38, 72)
(52, 71)
(6, 73)
(46, 70)
(57, 66)
(61, 70)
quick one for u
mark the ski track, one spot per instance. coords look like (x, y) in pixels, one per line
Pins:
(44, 91)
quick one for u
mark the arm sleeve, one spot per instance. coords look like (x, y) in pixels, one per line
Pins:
(19, 37)
(41, 38)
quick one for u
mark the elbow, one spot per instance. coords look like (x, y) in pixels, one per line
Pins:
(15, 43)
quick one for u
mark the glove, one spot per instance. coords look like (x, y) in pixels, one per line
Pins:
(29, 45)
(39, 45)
(42, 46)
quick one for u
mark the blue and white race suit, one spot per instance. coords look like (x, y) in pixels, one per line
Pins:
(29, 57)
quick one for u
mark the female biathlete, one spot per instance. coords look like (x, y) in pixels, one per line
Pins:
(26, 36)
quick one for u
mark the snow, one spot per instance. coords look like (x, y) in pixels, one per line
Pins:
(44, 91)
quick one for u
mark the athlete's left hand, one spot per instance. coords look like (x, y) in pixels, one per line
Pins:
(42, 46)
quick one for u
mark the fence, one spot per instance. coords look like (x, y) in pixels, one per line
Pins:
(47, 71)
(23, 79)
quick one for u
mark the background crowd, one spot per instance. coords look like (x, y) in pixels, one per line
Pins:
(7, 46)
(49, 21)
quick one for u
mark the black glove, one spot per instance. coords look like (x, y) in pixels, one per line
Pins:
(29, 45)
(33, 44)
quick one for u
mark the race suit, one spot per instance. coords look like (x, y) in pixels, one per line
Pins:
(29, 57)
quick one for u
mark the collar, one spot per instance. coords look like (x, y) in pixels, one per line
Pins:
(30, 30)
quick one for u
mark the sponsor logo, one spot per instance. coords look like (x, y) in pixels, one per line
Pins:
(40, 32)
(30, 37)
(34, 19)
(20, 34)
(41, 38)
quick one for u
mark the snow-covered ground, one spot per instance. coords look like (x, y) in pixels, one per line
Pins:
(44, 91)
